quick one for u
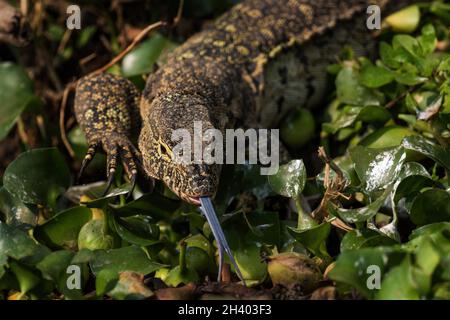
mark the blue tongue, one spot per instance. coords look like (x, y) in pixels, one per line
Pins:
(207, 209)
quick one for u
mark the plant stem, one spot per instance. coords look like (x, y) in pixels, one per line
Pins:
(305, 221)
(182, 258)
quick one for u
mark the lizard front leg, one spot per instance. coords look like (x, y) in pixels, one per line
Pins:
(107, 109)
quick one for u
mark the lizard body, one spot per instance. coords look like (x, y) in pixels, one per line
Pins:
(254, 64)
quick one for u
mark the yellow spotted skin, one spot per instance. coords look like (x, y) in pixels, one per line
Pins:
(248, 69)
(107, 109)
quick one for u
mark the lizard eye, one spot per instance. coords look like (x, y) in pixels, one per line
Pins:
(164, 151)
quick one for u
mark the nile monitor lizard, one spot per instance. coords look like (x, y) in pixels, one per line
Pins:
(248, 69)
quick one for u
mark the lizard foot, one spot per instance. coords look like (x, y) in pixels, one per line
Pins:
(115, 147)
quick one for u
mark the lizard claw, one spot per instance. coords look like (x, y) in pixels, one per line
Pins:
(133, 185)
(115, 148)
(92, 150)
(108, 183)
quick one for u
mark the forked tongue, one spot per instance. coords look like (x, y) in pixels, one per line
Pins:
(208, 210)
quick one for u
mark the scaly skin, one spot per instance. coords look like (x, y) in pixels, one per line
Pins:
(252, 66)
(107, 108)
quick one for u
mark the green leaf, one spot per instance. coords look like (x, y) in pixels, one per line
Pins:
(55, 264)
(290, 179)
(259, 227)
(423, 213)
(137, 230)
(18, 245)
(61, 231)
(176, 276)
(17, 214)
(377, 168)
(442, 291)
(101, 201)
(399, 283)
(374, 114)
(410, 187)
(130, 258)
(342, 118)
(375, 77)
(427, 257)
(364, 238)
(313, 239)
(298, 129)
(426, 147)
(386, 137)
(409, 79)
(388, 55)
(406, 20)
(409, 44)
(247, 253)
(141, 60)
(105, 281)
(361, 214)
(350, 91)
(153, 205)
(413, 169)
(108, 264)
(428, 39)
(25, 276)
(264, 227)
(352, 266)
(348, 115)
(16, 91)
(248, 259)
(37, 176)
(429, 230)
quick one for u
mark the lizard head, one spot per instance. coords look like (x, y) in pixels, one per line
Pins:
(168, 126)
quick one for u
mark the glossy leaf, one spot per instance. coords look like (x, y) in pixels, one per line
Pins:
(351, 267)
(38, 176)
(313, 239)
(399, 283)
(377, 168)
(141, 60)
(18, 245)
(153, 205)
(61, 231)
(26, 277)
(290, 179)
(248, 259)
(364, 238)
(54, 264)
(100, 201)
(137, 230)
(361, 214)
(17, 214)
(130, 258)
(423, 213)
(429, 149)
(386, 137)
